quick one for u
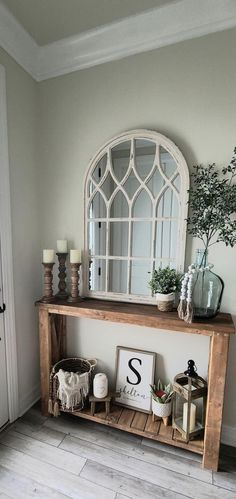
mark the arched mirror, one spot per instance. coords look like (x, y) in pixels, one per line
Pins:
(135, 210)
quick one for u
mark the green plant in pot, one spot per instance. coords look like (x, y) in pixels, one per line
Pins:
(212, 203)
(164, 284)
(161, 400)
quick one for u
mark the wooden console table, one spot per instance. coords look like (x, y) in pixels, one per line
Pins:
(52, 330)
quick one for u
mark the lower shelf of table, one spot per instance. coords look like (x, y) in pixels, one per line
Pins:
(141, 424)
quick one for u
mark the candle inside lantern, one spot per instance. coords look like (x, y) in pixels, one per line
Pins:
(75, 256)
(62, 246)
(192, 418)
(48, 256)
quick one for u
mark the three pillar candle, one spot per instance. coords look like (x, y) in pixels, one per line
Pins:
(48, 262)
(49, 254)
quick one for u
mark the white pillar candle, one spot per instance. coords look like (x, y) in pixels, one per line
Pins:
(61, 246)
(100, 385)
(48, 256)
(192, 419)
(75, 256)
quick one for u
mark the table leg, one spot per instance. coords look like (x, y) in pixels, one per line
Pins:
(45, 358)
(216, 385)
(92, 408)
(107, 406)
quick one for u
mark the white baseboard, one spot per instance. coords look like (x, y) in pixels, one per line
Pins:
(30, 399)
(228, 435)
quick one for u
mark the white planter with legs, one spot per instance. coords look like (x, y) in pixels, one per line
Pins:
(161, 410)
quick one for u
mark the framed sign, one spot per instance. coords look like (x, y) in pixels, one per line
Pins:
(134, 374)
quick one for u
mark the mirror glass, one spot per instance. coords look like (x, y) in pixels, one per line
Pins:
(141, 239)
(97, 275)
(97, 208)
(97, 238)
(119, 207)
(117, 276)
(108, 186)
(120, 155)
(167, 163)
(140, 275)
(131, 185)
(99, 170)
(119, 238)
(133, 211)
(145, 151)
(142, 206)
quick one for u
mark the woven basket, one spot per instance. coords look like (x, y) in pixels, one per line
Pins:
(75, 365)
(165, 302)
(165, 306)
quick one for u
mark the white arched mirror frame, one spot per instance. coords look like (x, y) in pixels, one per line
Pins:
(182, 196)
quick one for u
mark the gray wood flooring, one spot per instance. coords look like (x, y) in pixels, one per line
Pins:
(71, 458)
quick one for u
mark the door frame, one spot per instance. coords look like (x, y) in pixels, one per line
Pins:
(7, 257)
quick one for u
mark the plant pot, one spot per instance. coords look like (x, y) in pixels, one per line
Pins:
(165, 302)
(161, 410)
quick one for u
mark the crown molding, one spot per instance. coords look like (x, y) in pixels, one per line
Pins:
(17, 42)
(171, 23)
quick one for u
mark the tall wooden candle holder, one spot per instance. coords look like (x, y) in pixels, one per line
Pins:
(48, 280)
(74, 297)
(62, 293)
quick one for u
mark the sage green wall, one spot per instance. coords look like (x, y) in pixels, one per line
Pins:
(186, 91)
(22, 137)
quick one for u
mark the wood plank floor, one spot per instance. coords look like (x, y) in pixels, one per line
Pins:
(68, 457)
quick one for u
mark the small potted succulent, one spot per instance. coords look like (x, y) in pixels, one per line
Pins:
(164, 284)
(161, 399)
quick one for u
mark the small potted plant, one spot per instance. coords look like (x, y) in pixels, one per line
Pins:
(164, 284)
(161, 400)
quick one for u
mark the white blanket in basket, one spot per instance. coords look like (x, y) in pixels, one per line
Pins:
(73, 388)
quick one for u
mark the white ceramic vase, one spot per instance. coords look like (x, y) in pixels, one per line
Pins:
(100, 385)
(161, 410)
(165, 302)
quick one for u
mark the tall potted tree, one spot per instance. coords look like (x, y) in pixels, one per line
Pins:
(212, 203)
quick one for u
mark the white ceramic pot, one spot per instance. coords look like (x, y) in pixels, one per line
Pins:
(161, 410)
(165, 302)
(100, 385)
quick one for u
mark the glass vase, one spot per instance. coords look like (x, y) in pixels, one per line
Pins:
(207, 288)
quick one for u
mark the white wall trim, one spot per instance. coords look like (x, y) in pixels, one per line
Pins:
(7, 261)
(228, 435)
(17, 42)
(165, 25)
(29, 399)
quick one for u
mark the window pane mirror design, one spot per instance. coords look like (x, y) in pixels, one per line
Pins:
(135, 210)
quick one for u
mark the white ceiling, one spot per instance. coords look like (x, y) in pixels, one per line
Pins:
(51, 20)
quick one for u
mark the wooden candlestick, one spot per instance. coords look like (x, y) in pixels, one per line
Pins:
(62, 293)
(74, 297)
(48, 280)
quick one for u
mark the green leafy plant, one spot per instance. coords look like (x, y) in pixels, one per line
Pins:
(212, 200)
(161, 393)
(165, 281)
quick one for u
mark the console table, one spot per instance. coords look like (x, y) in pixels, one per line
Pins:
(52, 331)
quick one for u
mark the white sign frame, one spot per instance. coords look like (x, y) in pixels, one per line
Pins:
(135, 370)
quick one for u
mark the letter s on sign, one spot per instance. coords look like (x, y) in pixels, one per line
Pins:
(134, 371)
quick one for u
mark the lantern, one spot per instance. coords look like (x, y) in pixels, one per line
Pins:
(189, 403)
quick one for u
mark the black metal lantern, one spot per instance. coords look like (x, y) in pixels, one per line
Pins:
(189, 403)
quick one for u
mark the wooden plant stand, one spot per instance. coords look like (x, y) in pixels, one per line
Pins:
(52, 331)
(106, 400)
(166, 419)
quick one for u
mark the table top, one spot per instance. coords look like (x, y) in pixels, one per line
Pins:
(139, 314)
